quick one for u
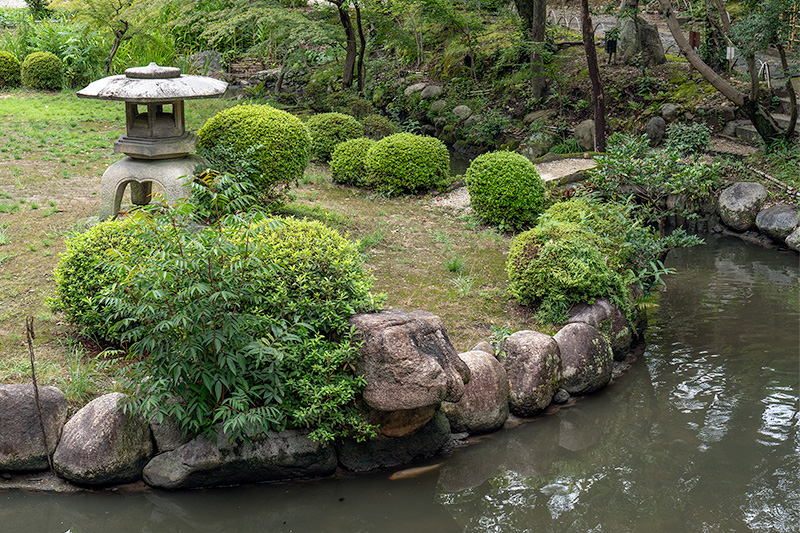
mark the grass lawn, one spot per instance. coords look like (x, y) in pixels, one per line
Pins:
(55, 147)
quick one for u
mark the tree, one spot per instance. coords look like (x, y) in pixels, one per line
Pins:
(534, 18)
(776, 14)
(598, 98)
(125, 19)
(350, 44)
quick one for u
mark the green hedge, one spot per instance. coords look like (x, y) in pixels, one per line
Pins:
(407, 163)
(348, 162)
(83, 275)
(505, 190)
(328, 130)
(556, 265)
(42, 70)
(274, 144)
(9, 70)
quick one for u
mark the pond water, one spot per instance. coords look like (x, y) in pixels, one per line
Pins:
(701, 434)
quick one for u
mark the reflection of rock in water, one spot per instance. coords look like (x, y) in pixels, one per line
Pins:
(469, 467)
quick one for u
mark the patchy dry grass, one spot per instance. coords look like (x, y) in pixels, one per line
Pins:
(55, 147)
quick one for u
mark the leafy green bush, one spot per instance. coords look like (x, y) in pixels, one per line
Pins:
(83, 274)
(556, 265)
(274, 144)
(629, 164)
(42, 70)
(329, 129)
(377, 126)
(407, 163)
(349, 103)
(348, 162)
(244, 323)
(505, 189)
(9, 70)
(688, 139)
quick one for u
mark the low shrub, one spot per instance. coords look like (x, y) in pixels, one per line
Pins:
(505, 189)
(270, 145)
(42, 70)
(348, 162)
(329, 129)
(377, 126)
(244, 323)
(557, 265)
(407, 163)
(688, 139)
(349, 103)
(83, 273)
(9, 70)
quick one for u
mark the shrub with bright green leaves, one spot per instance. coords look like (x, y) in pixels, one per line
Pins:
(9, 70)
(84, 273)
(243, 323)
(377, 126)
(275, 144)
(407, 163)
(557, 265)
(615, 228)
(688, 139)
(42, 70)
(318, 274)
(328, 130)
(348, 162)
(505, 190)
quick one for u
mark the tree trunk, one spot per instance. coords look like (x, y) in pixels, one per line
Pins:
(594, 75)
(350, 48)
(119, 36)
(765, 125)
(534, 18)
(790, 89)
(361, 50)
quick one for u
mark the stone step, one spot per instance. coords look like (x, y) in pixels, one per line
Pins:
(783, 120)
(748, 132)
(785, 105)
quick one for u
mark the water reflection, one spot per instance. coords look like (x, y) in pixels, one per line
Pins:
(701, 434)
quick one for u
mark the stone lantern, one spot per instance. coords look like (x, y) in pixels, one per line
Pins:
(157, 145)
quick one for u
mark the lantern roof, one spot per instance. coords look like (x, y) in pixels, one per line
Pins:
(153, 83)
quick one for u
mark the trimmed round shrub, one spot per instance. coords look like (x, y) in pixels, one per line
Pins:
(42, 70)
(329, 129)
(274, 143)
(557, 265)
(318, 275)
(407, 163)
(348, 162)
(9, 70)
(377, 126)
(83, 275)
(505, 190)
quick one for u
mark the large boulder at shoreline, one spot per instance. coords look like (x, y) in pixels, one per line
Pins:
(382, 452)
(533, 364)
(407, 360)
(167, 435)
(584, 135)
(586, 358)
(203, 463)
(609, 320)
(101, 445)
(401, 422)
(740, 203)
(484, 406)
(22, 447)
(793, 240)
(778, 221)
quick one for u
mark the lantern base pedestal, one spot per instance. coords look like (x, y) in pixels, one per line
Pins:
(173, 175)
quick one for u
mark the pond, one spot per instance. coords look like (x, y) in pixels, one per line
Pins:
(701, 434)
